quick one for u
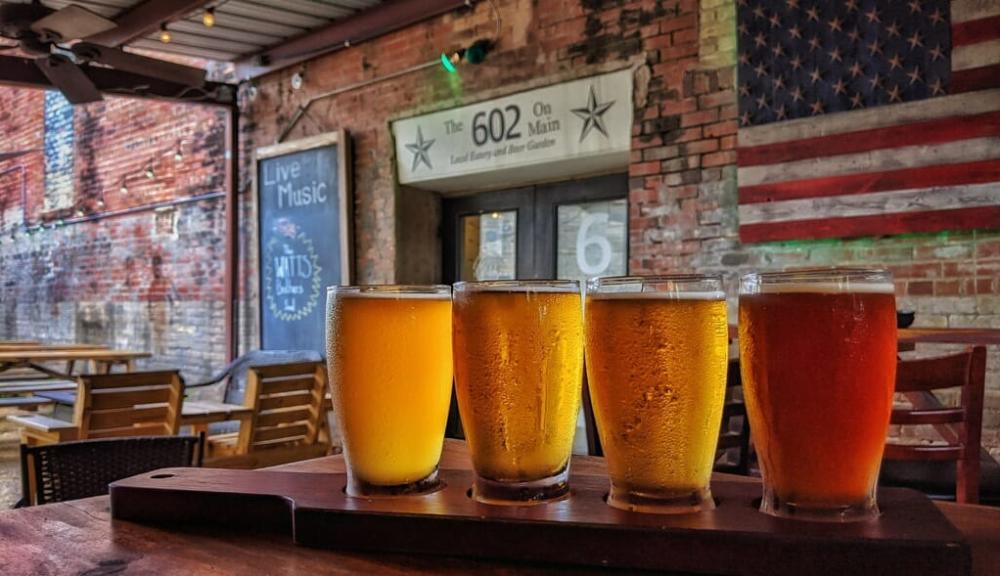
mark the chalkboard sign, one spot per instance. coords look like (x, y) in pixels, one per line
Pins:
(303, 199)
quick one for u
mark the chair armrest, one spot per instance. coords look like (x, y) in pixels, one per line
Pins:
(215, 380)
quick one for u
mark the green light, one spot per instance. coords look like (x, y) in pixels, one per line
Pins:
(446, 62)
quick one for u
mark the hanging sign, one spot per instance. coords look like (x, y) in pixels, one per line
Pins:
(571, 129)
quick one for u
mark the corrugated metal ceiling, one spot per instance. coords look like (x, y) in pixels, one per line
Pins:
(242, 27)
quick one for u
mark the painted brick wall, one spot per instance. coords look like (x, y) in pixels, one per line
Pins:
(99, 264)
(683, 214)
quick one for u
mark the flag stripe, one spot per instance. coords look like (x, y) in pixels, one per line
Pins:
(965, 10)
(942, 175)
(976, 79)
(882, 224)
(932, 132)
(975, 31)
(975, 55)
(873, 204)
(870, 118)
(971, 150)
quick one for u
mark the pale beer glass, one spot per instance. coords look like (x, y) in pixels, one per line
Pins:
(518, 378)
(390, 366)
(818, 359)
(657, 355)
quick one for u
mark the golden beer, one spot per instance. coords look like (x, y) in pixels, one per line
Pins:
(518, 376)
(657, 355)
(389, 356)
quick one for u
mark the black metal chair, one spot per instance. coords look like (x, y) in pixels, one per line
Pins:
(235, 374)
(72, 470)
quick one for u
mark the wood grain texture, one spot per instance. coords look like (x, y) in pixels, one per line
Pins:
(76, 537)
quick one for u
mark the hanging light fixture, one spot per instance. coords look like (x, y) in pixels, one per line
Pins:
(165, 36)
(208, 18)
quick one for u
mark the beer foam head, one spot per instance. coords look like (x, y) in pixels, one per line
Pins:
(528, 286)
(393, 292)
(661, 295)
(846, 287)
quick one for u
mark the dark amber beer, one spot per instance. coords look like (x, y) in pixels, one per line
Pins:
(390, 366)
(818, 360)
(518, 379)
(657, 354)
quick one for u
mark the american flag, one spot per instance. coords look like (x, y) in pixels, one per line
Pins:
(868, 117)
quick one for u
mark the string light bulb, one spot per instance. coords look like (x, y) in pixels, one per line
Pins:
(149, 173)
(124, 187)
(165, 36)
(178, 154)
(208, 18)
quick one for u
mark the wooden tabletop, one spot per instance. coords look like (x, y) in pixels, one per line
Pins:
(43, 347)
(80, 537)
(61, 355)
(981, 336)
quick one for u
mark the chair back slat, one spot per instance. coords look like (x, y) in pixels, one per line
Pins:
(129, 404)
(935, 416)
(734, 453)
(287, 402)
(922, 452)
(960, 427)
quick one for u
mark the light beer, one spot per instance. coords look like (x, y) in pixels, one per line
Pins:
(656, 367)
(818, 359)
(390, 364)
(518, 376)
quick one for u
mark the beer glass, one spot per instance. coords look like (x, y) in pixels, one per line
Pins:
(657, 354)
(389, 358)
(518, 378)
(818, 359)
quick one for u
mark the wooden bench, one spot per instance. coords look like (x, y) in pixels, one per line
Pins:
(34, 386)
(29, 402)
(45, 428)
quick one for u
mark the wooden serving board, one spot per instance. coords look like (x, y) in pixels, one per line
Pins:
(912, 537)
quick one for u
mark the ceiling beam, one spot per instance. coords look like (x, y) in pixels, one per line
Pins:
(364, 25)
(145, 18)
(23, 72)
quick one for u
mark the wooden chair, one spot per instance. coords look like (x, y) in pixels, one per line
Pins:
(734, 452)
(111, 406)
(72, 470)
(288, 402)
(960, 427)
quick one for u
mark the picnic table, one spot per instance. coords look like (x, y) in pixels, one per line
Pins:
(79, 537)
(103, 360)
(976, 336)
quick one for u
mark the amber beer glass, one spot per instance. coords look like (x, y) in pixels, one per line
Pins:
(818, 359)
(390, 365)
(518, 378)
(657, 354)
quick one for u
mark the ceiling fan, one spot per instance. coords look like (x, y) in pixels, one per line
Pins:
(57, 39)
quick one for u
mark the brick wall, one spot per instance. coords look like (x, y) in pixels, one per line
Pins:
(84, 261)
(682, 174)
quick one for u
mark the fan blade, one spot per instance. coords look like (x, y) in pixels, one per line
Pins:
(72, 22)
(121, 60)
(69, 79)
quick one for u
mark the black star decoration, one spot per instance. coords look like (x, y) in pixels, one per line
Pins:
(592, 115)
(420, 150)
